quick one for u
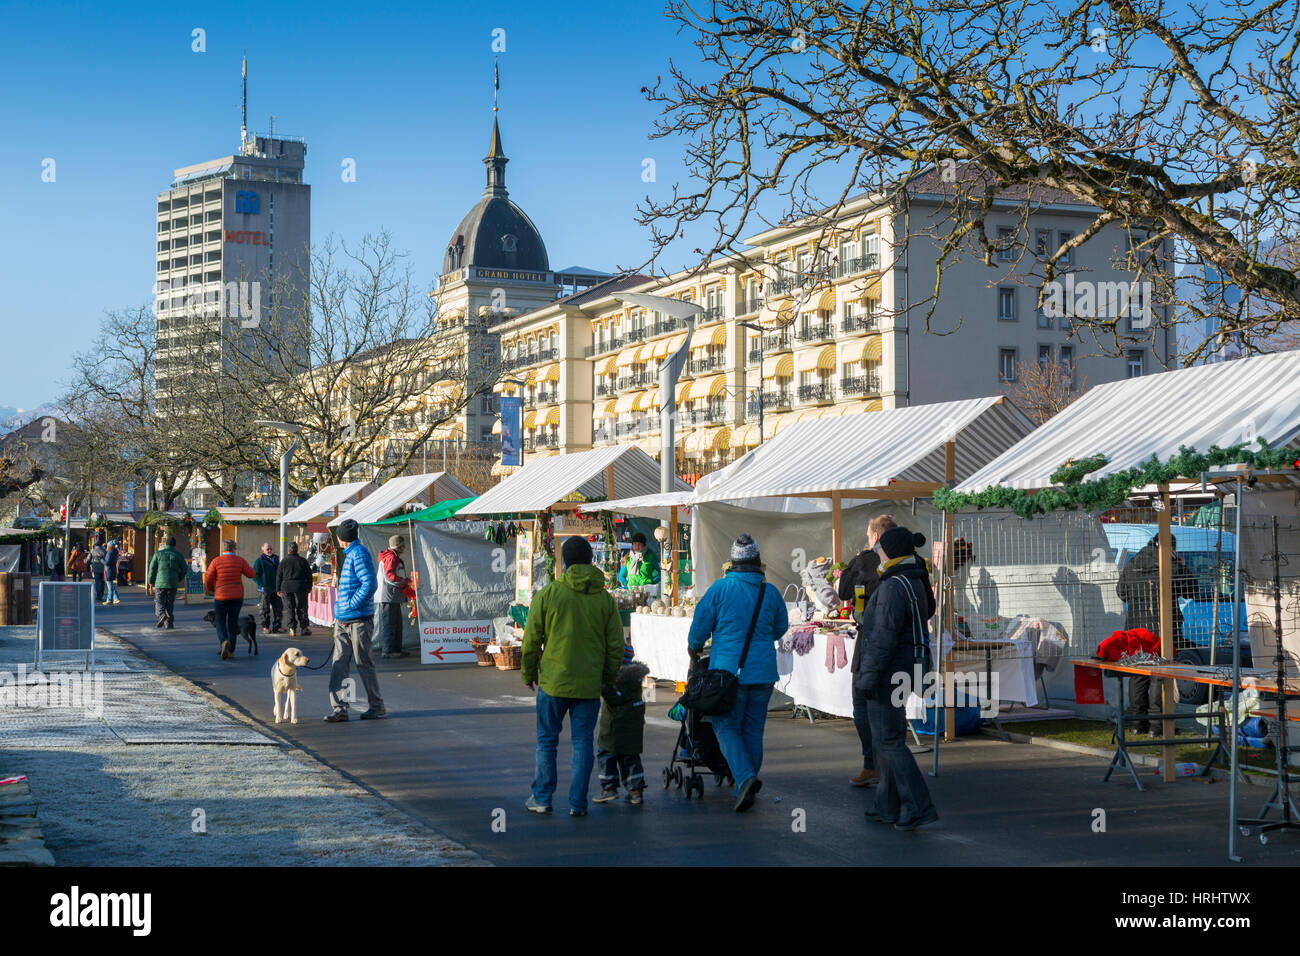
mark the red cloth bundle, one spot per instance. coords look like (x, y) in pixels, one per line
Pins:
(1135, 641)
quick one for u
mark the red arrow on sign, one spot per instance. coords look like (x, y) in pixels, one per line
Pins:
(439, 652)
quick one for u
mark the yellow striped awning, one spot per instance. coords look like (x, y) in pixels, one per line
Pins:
(784, 368)
(823, 358)
(609, 367)
(703, 338)
(551, 373)
(645, 401)
(552, 416)
(675, 343)
(496, 427)
(827, 302)
(500, 387)
(778, 422)
(707, 387)
(873, 405)
(625, 403)
(721, 440)
(853, 408)
(531, 377)
(627, 357)
(872, 351)
(745, 437)
(871, 292)
(609, 408)
(851, 351)
(660, 348)
(447, 430)
(785, 311)
(530, 418)
(682, 388)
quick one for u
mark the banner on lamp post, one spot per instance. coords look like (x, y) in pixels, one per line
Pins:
(511, 430)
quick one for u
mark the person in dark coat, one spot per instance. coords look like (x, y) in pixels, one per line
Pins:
(620, 736)
(857, 584)
(894, 627)
(293, 581)
(1139, 589)
(265, 573)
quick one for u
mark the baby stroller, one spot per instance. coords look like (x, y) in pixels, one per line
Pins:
(696, 751)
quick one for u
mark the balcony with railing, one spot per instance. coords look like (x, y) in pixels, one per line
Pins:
(713, 363)
(781, 286)
(607, 389)
(749, 306)
(817, 332)
(772, 400)
(541, 441)
(640, 380)
(868, 384)
(704, 416)
(859, 323)
(601, 347)
(668, 323)
(545, 396)
(863, 263)
(711, 313)
(815, 393)
(530, 358)
(773, 344)
(601, 434)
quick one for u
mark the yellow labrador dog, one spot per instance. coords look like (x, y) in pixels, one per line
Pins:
(284, 680)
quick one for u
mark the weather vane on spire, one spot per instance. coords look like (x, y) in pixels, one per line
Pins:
(496, 82)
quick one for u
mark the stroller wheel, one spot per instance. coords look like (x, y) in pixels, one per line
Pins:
(719, 778)
(677, 775)
(668, 777)
(697, 783)
(690, 785)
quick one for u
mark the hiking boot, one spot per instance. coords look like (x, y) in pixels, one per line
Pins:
(374, 713)
(577, 813)
(227, 650)
(532, 806)
(634, 797)
(866, 778)
(338, 717)
(605, 796)
(924, 820)
(876, 817)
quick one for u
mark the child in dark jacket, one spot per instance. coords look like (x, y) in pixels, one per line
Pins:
(622, 732)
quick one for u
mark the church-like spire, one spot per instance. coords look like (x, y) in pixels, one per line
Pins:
(496, 157)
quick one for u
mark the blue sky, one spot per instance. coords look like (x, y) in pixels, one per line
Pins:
(117, 98)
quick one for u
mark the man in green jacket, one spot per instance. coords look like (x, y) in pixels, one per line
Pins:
(167, 572)
(573, 645)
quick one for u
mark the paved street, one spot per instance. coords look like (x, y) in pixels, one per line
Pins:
(458, 743)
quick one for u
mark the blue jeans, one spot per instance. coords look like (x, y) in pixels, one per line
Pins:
(740, 731)
(110, 589)
(863, 726)
(582, 735)
(226, 618)
(901, 793)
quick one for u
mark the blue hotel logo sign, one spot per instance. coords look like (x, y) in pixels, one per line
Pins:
(247, 202)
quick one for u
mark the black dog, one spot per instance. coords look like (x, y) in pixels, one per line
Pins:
(247, 628)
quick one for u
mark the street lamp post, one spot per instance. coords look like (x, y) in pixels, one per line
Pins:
(289, 428)
(759, 330)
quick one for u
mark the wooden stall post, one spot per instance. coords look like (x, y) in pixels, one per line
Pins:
(837, 528)
(1167, 693)
(949, 621)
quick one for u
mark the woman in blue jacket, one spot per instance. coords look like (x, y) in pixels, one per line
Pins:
(724, 613)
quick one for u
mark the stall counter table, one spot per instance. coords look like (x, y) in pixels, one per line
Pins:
(660, 644)
(320, 604)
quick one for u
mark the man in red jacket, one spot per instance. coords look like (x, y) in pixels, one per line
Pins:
(391, 595)
(224, 581)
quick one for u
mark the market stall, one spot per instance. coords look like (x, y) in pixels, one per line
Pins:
(1236, 421)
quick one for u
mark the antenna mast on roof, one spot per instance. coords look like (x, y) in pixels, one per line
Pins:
(243, 112)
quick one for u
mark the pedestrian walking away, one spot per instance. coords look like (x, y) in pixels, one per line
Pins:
(857, 584)
(391, 595)
(745, 616)
(265, 570)
(354, 613)
(77, 563)
(111, 557)
(293, 581)
(224, 580)
(621, 735)
(167, 570)
(573, 646)
(895, 641)
(95, 561)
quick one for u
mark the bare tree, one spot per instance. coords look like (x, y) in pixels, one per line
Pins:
(1041, 389)
(367, 368)
(1178, 123)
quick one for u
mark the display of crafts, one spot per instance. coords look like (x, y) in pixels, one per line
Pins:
(819, 579)
(644, 600)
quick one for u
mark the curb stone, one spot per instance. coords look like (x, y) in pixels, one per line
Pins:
(21, 842)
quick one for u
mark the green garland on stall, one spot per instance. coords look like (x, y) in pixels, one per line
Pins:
(212, 519)
(548, 543)
(1072, 492)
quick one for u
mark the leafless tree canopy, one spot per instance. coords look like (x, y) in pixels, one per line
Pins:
(1178, 122)
(1041, 389)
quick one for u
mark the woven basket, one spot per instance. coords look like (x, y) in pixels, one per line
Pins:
(511, 658)
(481, 655)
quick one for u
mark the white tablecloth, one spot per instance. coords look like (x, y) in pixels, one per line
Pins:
(805, 678)
(1013, 669)
(660, 644)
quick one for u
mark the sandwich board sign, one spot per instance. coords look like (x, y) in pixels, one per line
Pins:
(65, 621)
(448, 642)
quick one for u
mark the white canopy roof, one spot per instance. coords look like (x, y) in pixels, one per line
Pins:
(543, 482)
(1221, 404)
(859, 452)
(325, 500)
(390, 497)
(648, 506)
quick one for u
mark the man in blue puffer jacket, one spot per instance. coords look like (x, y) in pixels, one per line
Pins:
(354, 613)
(724, 614)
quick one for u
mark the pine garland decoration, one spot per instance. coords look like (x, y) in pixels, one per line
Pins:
(1071, 492)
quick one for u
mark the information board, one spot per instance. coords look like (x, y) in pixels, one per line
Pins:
(66, 620)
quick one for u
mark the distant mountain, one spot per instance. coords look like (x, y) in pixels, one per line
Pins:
(11, 417)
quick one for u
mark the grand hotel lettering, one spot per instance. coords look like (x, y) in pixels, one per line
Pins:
(510, 275)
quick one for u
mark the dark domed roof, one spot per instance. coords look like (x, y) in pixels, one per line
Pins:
(495, 233)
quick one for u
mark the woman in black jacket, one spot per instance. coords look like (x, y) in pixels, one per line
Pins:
(293, 579)
(863, 572)
(895, 642)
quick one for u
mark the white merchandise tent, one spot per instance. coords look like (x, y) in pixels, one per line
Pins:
(390, 497)
(324, 502)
